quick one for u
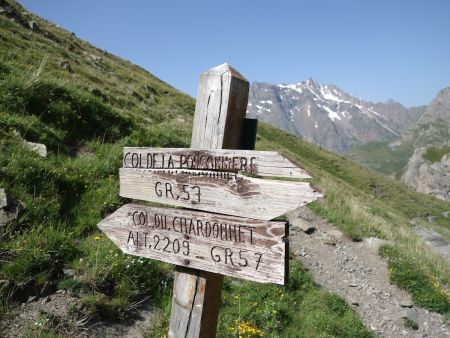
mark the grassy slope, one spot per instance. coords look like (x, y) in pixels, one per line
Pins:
(382, 158)
(393, 160)
(86, 117)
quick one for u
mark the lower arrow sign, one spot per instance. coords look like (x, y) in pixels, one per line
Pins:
(245, 248)
(220, 192)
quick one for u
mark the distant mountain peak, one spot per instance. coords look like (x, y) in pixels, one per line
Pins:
(327, 115)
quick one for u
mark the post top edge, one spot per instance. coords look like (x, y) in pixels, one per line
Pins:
(224, 68)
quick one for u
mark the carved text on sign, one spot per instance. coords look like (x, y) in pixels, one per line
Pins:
(261, 163)
(245, 248)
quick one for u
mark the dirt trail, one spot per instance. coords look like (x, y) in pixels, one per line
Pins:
(355, 271)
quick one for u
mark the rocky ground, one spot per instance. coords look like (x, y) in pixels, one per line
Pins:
(60, 312)
(355, 271)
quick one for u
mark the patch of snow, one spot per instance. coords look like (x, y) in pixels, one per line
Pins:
(308, 110)
(332, 114)
(267, 101)
(259, 107)
(327, 95)
(249, 104)
(316, 125)
(295, 87)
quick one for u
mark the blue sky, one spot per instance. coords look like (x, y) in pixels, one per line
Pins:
(373, 49)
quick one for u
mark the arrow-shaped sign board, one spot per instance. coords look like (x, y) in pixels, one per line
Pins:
(208, 180)
(234, 246)
(261, 163)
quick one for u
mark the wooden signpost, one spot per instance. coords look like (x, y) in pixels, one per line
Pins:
(236, 196)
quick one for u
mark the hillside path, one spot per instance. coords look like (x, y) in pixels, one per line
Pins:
(356, 272)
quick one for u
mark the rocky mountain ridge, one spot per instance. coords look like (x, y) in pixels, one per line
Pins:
(431, 134)
(327, 115)
(429, 178)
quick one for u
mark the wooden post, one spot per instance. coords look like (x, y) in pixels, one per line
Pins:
(218, 122)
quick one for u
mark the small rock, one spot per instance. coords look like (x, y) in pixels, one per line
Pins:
(330, 241)
(353, 285)
(3, 199)
(305, 217)
(31, 299)
(39, 148)
(69, 273)
(412, 315)
(60, 291)
(353, 301)
(66, 66)
(46, 300)
(33, 26)
(338, 235)
(305, 226)
(406, 303)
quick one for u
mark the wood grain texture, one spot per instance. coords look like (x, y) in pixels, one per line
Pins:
(216, 192)
(196, 300)
(238, 247)
(219, 113)
(220, 108)
(260, 163)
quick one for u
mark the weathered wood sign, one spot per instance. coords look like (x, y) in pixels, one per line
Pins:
(260, 163)
(216, 191)
(239, 247)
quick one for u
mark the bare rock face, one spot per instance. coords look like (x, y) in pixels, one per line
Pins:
(432, 179)
(328, 116)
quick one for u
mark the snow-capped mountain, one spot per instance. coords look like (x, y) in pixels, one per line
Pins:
(328, 116)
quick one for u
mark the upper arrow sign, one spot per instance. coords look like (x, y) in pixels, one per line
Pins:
(222, 191)
(260, 163)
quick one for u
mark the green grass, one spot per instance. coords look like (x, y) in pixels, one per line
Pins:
(435, 154)
(381, 157)
(424, 288)
(301, 309)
